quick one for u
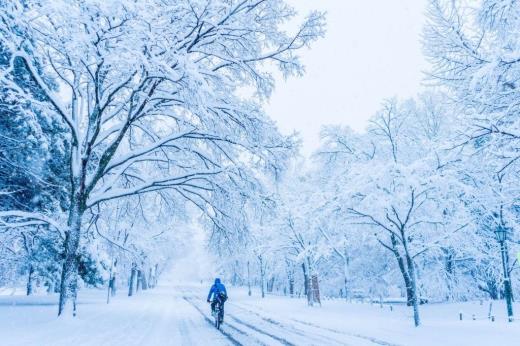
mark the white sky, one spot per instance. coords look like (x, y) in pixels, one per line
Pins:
(372, 51)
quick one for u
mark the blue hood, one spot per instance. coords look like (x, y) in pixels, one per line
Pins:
(217, 281)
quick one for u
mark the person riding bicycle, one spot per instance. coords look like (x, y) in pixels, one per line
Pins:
(218, 291)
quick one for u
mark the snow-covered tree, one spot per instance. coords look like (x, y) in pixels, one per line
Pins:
(148, 94)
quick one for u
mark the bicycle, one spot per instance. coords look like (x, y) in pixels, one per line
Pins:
(218, 311)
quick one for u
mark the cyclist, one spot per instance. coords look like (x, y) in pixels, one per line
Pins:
(218, 291)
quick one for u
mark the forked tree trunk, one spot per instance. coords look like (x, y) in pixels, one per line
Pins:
(69, 273)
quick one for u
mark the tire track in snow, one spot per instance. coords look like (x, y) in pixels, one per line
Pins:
(227, 335)
(258, 330)
(298, 332)
(309, 324)
(368, 338)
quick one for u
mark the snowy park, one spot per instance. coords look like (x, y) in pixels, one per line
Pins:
(259, 172)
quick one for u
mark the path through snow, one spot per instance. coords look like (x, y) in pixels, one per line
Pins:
(179, 315)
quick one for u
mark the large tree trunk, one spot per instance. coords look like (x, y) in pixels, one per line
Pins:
(69, 274)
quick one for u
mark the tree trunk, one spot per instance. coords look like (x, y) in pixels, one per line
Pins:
(345, 275)
(413, 281)
(315, 289)
(30, 280)
(248, 280)
(139, 281)
(291, 283)
(449, 269)
(69, 273)
(305, 280)
(113, 282)
(308, 278)
(270, 285)
(262, 275)
(131, 280)
(144, 283)
(404, 272)
(155, 275)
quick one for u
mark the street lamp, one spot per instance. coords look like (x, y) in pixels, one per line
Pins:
(501, 234)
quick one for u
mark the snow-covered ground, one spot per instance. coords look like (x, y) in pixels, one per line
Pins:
(178, 315)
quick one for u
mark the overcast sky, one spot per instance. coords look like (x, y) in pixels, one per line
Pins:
(371, 51)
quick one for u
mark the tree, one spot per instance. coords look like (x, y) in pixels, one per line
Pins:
(400, 188)
(474, 54)
(150, 106)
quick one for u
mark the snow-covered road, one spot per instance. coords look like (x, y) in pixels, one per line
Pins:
(179, 315)
(244, 326)
(155, 317)
(169, 315)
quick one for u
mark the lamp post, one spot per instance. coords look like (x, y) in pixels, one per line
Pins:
(501, 233)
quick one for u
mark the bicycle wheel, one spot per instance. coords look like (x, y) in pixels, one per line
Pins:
(217, 320)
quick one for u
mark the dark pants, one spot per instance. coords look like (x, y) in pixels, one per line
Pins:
(214, 302)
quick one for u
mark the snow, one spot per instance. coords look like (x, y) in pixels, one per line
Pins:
(158, 317)
(177, 314)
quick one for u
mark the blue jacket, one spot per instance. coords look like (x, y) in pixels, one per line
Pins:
(216, 288)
